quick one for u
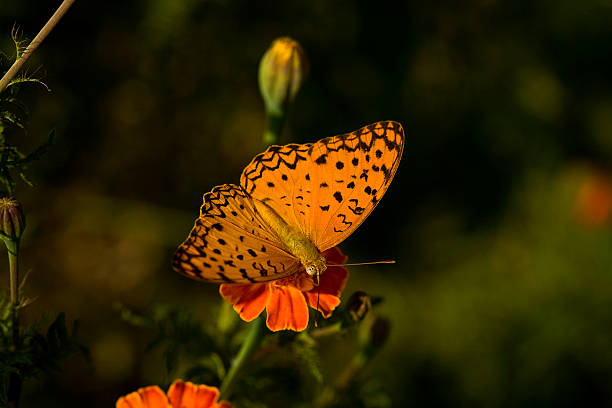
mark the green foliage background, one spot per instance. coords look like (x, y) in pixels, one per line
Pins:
(502, 291)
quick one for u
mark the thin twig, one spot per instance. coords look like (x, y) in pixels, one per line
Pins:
(55, 18)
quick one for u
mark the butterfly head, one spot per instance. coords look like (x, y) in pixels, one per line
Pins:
(315, 268)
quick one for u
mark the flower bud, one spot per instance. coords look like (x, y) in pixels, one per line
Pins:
(358, 305)
(379, 331)
(12, 219)
(373, 335)
(281, 72)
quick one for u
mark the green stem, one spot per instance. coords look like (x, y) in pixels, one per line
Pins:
(14, 386)
(13, 253)
(274, 128)
(250, 344)
(329, 394)
(326, 331)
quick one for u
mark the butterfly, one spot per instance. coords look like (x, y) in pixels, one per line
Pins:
(293, 203)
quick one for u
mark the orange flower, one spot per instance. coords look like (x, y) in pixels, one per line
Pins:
(180, 395)
(286, 300)
(593, 205)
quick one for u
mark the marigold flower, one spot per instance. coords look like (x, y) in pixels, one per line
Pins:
(286, 300)
(593, 204)
(180, 395)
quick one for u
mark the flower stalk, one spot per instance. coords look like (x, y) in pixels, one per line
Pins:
(373, 338)
(252, 341)
(13, 256)
(274, 128)
(12, 224)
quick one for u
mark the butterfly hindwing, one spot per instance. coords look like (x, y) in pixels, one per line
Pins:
(229, 243)
(328, 188)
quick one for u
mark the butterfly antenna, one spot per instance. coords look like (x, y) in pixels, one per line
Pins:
(366, 263)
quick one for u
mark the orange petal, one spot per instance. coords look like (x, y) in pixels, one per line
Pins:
(333, 280)
(328, 292)
(149, 397)
(248, 300)
(287, 309)
(188, 395)
(327, 303)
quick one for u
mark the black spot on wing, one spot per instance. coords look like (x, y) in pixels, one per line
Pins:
(386, 172)
(344, 222)
(259, 267)
(244, 274)
(224, 278)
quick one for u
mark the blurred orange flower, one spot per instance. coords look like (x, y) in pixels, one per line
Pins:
(180, 395)
(286, 300)
(593, 205)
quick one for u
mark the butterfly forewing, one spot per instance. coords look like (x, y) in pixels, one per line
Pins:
(282, 181)
(328, 188)
(229, 243)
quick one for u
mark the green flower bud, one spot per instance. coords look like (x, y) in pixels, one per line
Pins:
(12, 219)
(379, 331)
(281, 72)
(358, 305)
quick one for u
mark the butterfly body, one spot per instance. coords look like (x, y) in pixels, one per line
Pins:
(293, 203)
(293, 241)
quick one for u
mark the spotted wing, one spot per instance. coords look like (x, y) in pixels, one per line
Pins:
(229, 243)
(327, 189)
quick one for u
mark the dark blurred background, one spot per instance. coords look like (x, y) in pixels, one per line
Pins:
(499, 216)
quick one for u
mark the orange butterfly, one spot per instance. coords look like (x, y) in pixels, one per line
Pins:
(293, 203)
